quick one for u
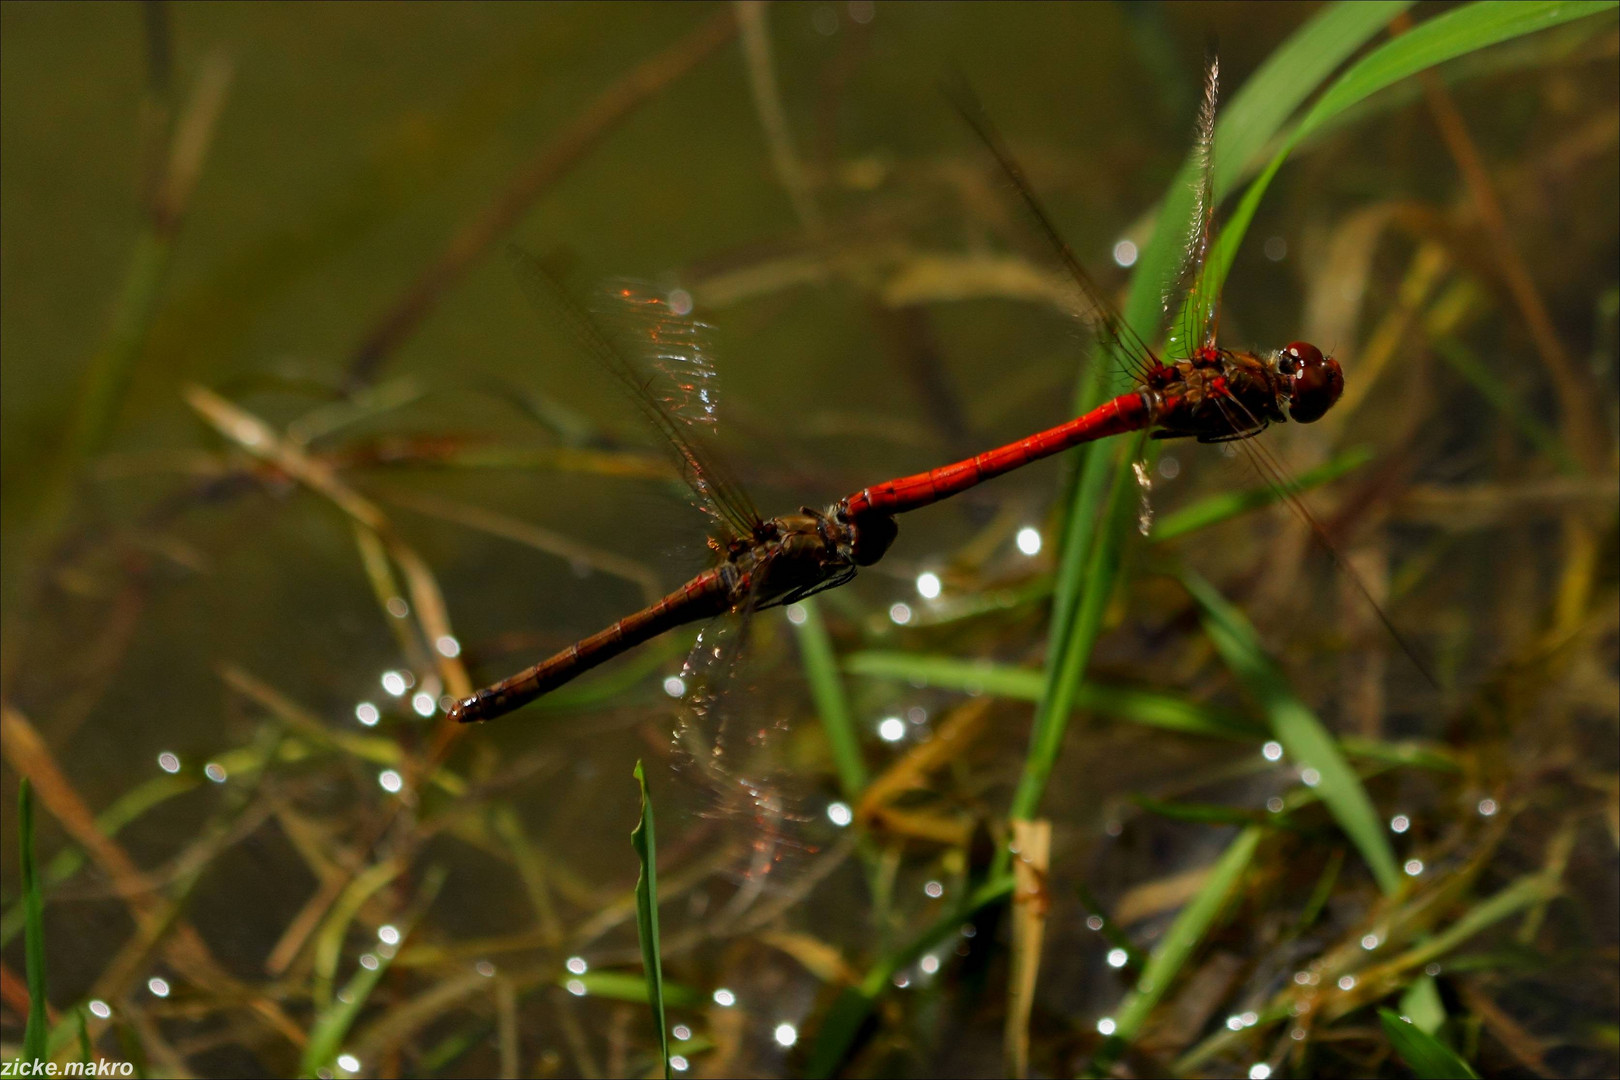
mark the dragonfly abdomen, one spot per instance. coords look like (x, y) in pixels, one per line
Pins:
(704, 596)
(1128, 412)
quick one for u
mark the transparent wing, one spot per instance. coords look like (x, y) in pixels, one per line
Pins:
(674, 349)
(671, 378)
(1275, 474)
(732, 751)
(1193, 321)
(1116, 335)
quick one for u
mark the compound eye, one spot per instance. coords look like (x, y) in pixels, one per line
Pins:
(1315, 381)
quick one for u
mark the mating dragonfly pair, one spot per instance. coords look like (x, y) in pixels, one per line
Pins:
(1210, 393)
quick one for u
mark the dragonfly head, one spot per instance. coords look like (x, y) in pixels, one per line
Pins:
(1314, 381)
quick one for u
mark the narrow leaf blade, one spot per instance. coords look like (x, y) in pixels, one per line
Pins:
(643, 840)
(1425, 1055)
(1304, 738)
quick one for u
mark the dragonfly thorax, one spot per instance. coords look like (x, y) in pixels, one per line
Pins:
(796, 555)
(1215, 395)
(1220, 394)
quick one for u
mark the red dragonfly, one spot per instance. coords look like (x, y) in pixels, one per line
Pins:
(1210, 393)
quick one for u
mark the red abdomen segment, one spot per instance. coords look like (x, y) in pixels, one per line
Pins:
(1128, 412)
(704, 596)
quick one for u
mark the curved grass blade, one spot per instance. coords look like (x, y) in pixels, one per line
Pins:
(37, 1030)
(1425, 1055)
(1445, 37)
(849, 1011)
(1149, 707)
(1172, 953)
(333, 1024)
(87, 1050)
(1526, 892)
(335, 928)
(1197, 813)
(1255, 115)
(1230, 504)
(1418, 755)
(643, 840)
(827, 690)
(1304, 738)
(1382, 979)
(621, 986)
(1457, 32)
(1421, 1004)
(1099, 516)
(67, 861)
(1250, 120)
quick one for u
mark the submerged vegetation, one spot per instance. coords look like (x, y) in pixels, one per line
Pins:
(1068, 796)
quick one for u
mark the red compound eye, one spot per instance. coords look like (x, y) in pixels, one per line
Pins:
(1315, 381)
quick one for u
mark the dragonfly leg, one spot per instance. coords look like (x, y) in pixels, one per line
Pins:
(1235, 436)
(843, 577)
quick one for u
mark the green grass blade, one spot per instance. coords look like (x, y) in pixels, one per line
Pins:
(37, 1030)
(68, 860)
(87, 1050)
(1072, 643)
(1421, 1004)
(839, 1029)
(436, 1060)
(1139, 706)
(333, 1024)
(1425, 1055)
(646, 845)
(1167, 711)
(827, 690)
(1135, 960)
(621, 986)
(1184, 935)
(947, 672)
(1527, 891)
(1228, 505)
(848, 1013)
(1323, 890)
(1304, 738)
(1100, 516)
(1085, 581)
(1151, 708)
(1251, 119)
(334, 931)
(1445, 37)
(1197, 813)
(1259, 108)
(1412, 754)
(1254, 117)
